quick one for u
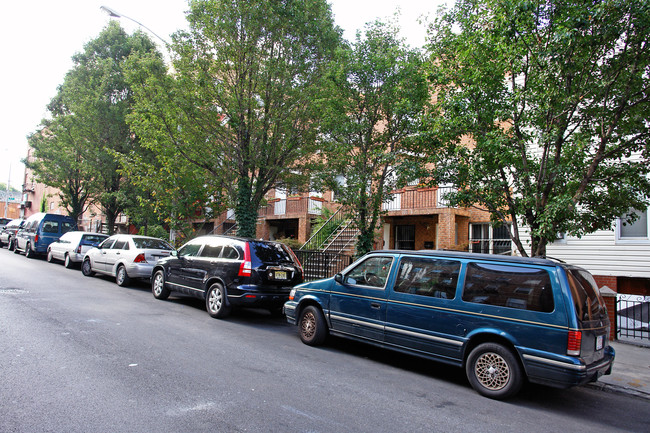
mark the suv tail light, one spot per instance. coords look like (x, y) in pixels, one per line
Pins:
(140, 258)
(295, 258)
(246, 267)
(574, 343)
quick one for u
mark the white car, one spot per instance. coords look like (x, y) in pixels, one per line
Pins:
(125, 257)
(73, 246)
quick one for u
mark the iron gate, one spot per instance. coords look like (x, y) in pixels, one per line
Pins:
(633, 316)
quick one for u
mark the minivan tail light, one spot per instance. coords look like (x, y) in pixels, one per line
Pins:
(36, 239)
(140, 258)
(245, 269)
(574, 343)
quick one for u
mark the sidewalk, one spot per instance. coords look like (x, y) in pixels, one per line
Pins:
(631, 372)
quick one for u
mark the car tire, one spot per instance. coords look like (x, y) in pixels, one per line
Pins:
(121, 277)
(67, 261)
(12, 245)
(216, 302)
(28, 251)
(158, 286)
(86, 268)
(16, 250)
(1, 244)
(494, 371)
(312, 326)
(49, 257)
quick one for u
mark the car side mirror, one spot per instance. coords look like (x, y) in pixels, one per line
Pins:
(174, 253)
(338, 278)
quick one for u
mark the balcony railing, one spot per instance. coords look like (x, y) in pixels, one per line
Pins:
(426, 198)
(292, 206)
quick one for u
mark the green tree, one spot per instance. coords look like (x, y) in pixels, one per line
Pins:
(377, 93)
(541, 112)
(238, 105)
(78, 149)
(58, 161)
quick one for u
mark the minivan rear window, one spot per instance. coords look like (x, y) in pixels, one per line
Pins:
(588, 303)
(509, 286)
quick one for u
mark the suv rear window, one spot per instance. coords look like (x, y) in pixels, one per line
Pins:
(270, 253)
(509, 286)
(588, 303)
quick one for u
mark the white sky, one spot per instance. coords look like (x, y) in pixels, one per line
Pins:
(39, 37)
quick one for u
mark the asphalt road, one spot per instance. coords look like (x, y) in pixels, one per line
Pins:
(81, 354)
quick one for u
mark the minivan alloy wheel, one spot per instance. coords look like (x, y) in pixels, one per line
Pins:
(312, 326)
(494, 371)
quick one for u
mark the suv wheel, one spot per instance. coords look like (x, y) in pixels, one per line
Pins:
(312, 326)
(87, 269)
(67, 262)
(216, 302)
(158, 285)
(121, 277)
(493, 371)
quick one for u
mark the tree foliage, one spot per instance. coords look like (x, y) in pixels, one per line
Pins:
(541, 112)
(238, 105)
(77, 149)
(377, 92)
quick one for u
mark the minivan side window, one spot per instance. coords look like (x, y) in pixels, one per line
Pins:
(509, 286)
(428, 277)
(372, 272)
(51, 227)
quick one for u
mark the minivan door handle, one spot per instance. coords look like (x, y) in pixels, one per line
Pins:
(375, 306)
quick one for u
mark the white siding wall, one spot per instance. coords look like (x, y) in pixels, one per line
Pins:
(601, 254)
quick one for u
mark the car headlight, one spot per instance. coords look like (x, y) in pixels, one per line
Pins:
(292, 294)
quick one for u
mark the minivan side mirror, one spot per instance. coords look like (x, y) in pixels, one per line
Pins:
(338, 278)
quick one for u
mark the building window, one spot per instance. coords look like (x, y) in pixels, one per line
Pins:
(636, 231)
(490, 240)
(405, 237)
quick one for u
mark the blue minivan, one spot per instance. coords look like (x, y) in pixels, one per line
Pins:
(503, 319)
(40, 230)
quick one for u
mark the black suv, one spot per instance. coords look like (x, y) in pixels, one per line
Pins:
(229, 272)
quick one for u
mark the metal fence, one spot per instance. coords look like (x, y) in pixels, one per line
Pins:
(319, 264)
(633, 316)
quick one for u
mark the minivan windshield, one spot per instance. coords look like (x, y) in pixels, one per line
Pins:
(588, 303)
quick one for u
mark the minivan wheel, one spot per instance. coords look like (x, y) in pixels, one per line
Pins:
(216, 302)
(86, 268)
(312, 326)
(121, 277)
(493, 371)
(67, 262)
(158, 286)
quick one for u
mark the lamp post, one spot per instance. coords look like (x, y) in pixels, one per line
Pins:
(112, 13)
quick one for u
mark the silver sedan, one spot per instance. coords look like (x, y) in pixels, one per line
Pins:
(125, 257)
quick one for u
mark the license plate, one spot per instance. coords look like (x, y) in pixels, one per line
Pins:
(599, 342)
(280, 275)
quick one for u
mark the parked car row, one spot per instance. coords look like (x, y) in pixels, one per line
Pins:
(505, 320)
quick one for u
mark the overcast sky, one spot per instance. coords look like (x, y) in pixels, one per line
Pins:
(40, 37)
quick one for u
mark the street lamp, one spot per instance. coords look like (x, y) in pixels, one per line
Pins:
(112, 13)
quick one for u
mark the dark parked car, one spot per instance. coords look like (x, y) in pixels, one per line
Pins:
(229, 272)
(8, 233)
